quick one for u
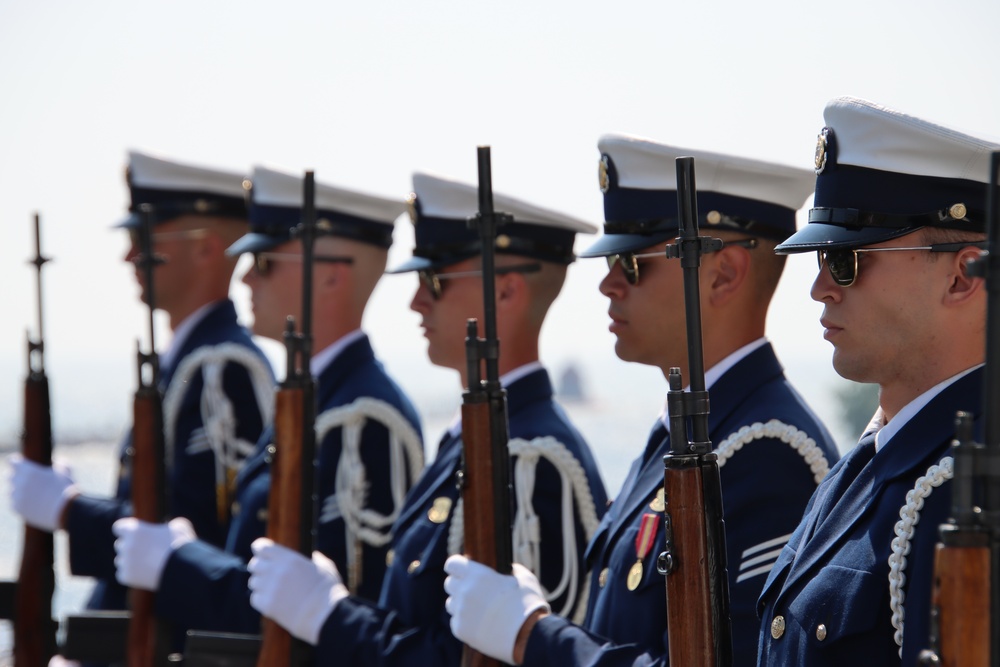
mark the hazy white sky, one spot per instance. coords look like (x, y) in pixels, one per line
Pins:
(365, 93)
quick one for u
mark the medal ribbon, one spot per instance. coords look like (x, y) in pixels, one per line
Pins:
(647, 534)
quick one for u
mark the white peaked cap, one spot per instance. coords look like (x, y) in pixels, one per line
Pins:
(442, 197)
(278, 188)
(647, 165)
(877, 137)
(157, 173)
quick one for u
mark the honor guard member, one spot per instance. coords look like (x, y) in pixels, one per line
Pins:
(899, 212)
(559, 496)
(772, 449)
(217, 384)
(368, 433)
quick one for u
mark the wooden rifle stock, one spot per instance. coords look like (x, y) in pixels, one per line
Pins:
(965, 602)
(694, 557)
(961, 606)
(148, 641)
(486, 492)
(688, 590)
(34, 628)
(960, 598)
(477, 490)
(292, 496)
(284, 517)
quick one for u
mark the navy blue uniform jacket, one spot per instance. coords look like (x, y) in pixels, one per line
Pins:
(410, 626)
(834, 572)
(192, 475)
(765, 487)
(204, 587)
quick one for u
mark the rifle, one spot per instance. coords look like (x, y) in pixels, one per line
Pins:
(694, 557)
(34, 628)
(148, 640)
(292, 499)
(485, 477)
(965, 609)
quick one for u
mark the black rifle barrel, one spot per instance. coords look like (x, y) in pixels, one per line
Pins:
(150, 361)
(991, 398)
(487, 235)
(36, 348)
(307, 233)
(690, 249)
(991, 394)
(489, 221)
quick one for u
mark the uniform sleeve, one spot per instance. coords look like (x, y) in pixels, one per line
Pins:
(205, 588)
(360, 633)
(556, 641)
(91, 542)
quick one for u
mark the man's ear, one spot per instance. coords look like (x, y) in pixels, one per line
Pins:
(511, 289)
(963, 285)
(728, 270)
(210, 246)
(330, 275)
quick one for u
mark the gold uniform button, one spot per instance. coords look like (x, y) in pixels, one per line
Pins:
(440, 509)
(412, 566)
(602, 578)
(821, 632)
(390, 556)
(778, 627)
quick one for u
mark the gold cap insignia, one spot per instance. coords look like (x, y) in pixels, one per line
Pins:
(822, 144)
(247, 184)
(957, 211)
(713, 217)
(411, 206)
(603, 181)
(503, 241)
(202, 206)
(324, 225)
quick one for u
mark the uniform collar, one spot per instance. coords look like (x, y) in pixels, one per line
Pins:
(912, 408)
(183, 331)
(322, 359)
(713, 374)
(507, 380)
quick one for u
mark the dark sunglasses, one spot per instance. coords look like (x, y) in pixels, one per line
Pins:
(843, 262)
(262, 261)
(432, 280)
(629, 261)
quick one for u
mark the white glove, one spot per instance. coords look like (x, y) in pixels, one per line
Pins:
(39, 493)
(142, 549)
(59, 661)
(490, 628)
(288, 588)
